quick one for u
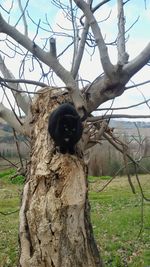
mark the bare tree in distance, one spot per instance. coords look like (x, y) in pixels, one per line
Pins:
(55, 227)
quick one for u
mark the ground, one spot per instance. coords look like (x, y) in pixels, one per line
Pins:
(121, 232)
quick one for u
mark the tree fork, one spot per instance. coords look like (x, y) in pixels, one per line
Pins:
(55, 228)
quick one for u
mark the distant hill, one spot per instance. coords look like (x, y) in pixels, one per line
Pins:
(6, 133)
(130, 128)
(129, 124)
(8, 146)
(124, 130)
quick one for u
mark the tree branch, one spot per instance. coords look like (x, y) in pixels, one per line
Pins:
(48, 59)
(105, 60)
(10, 80)
(137, 84)
(75, 35)
(116, 116)
(122, 55)
(22, 99)
(80, 52)
(102, 89)
(126, 107)
(81, 47)
(137, 63)
(23, 16)
(45, 57)
(53, 47)
(10, 118)
(8, 213)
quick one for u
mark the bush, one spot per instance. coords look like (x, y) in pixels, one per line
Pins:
(18, 180)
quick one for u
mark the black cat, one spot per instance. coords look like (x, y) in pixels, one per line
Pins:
(65, 127)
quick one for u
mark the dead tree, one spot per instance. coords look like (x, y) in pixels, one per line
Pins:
(55, 228)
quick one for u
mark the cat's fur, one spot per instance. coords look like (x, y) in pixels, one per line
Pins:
(65, 127)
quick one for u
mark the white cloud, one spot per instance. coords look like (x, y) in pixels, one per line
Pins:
(91, 67)
(6, 4)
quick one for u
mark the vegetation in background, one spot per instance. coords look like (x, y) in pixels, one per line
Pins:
(116, 218)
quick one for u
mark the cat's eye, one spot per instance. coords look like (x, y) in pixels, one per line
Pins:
(66, 129)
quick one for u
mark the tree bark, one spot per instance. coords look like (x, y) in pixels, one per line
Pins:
(55, 228)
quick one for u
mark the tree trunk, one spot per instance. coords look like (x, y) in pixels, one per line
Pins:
(55, 228)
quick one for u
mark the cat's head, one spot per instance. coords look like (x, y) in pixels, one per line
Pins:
(69, 125)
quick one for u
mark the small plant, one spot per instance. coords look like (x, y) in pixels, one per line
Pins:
(6, 176)
(18, 180)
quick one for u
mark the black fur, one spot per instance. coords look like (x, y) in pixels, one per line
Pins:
(65, 127)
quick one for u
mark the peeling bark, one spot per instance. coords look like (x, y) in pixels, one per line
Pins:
(55, 228)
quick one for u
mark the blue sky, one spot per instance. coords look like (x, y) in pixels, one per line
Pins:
(138, 36)
(133, 9)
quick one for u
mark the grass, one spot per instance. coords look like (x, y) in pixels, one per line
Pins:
(9, 202)
(117, 222)
(116, 219)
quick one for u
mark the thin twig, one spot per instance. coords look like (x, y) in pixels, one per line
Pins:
(23, 81)
(14, 165)
(8, 213)
(127, 107)
(23, 16)
(18, 148)
(142, 216)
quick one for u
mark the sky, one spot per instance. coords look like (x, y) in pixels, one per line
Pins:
(137, 38)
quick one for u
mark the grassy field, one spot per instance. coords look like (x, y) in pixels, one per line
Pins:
(9, 202)
(117, 221)
(116, 217)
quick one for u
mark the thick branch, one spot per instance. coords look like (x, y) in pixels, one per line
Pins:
(46, 58)
(81, 47)
(22, 99)
(137, 63)
(122, 55)
(75, 35)
(103, 89)
(80, 52)
(11, 119)
(107, 65)
(53, 51)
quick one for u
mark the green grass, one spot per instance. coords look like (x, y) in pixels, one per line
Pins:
(9, 203)
(116, 219)
(6, 174)
(94, 178)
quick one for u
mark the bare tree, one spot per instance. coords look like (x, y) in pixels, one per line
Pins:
(55, 227)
